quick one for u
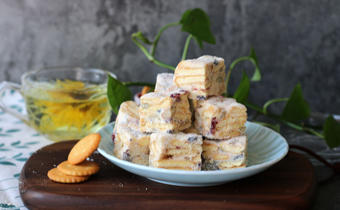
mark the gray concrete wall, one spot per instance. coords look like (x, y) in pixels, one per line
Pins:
(296, 41)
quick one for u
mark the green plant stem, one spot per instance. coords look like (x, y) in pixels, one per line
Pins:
(150, 57)
(273, 101)
(267, 124)
(185, 50)
(277, 118)
(158, 36)
(146, 53)
(163, 64)
(129, 84)
(231, 69)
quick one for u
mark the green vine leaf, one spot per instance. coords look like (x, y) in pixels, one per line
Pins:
(296, 107)
(199, 42)
(141, 37)
(253, 59)
(331, 131)
(7, 163)
(197, 23)
(117, 93)
(185, 16)
(242, 92)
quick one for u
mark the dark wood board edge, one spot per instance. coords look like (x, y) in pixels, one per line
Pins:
(303, 200)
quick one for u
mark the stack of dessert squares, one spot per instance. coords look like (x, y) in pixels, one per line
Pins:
(185, 124)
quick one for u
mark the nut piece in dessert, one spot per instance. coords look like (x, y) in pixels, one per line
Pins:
(132, 145)
(224, 154)
(177, 151)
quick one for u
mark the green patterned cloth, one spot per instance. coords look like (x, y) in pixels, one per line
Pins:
(17, 142)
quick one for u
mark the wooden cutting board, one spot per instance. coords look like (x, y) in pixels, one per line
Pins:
(289, 184)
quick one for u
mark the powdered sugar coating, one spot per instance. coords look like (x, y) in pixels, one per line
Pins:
(164, 81)
(132, 145)
(202, 77)
(127, 114)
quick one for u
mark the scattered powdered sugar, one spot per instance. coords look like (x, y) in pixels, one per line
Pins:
(201, 62)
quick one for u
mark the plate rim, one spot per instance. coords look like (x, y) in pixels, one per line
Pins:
(196, 173)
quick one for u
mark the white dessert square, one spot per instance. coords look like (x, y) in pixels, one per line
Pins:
(164, 81)
(202, 77)
(224, 154)
(168, 111)
(128, 113)
(176, 151)
(132, 145)
(220, 118)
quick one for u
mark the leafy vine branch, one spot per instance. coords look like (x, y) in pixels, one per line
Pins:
(196, 22)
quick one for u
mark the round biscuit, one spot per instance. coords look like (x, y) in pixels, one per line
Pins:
(84, 148)
(84, 168)
(55, 175)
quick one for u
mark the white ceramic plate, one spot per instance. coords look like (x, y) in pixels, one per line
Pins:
(265, 148)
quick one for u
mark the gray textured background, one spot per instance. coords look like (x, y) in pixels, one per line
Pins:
(296, 41)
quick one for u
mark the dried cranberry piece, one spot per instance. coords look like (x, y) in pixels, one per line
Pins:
(113, 138)
(178, 147)
(176, 97)
(214, 122)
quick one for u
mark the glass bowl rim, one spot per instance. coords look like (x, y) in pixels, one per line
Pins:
(37, 86)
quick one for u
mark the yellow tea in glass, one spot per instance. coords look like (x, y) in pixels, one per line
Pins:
(65, 103)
